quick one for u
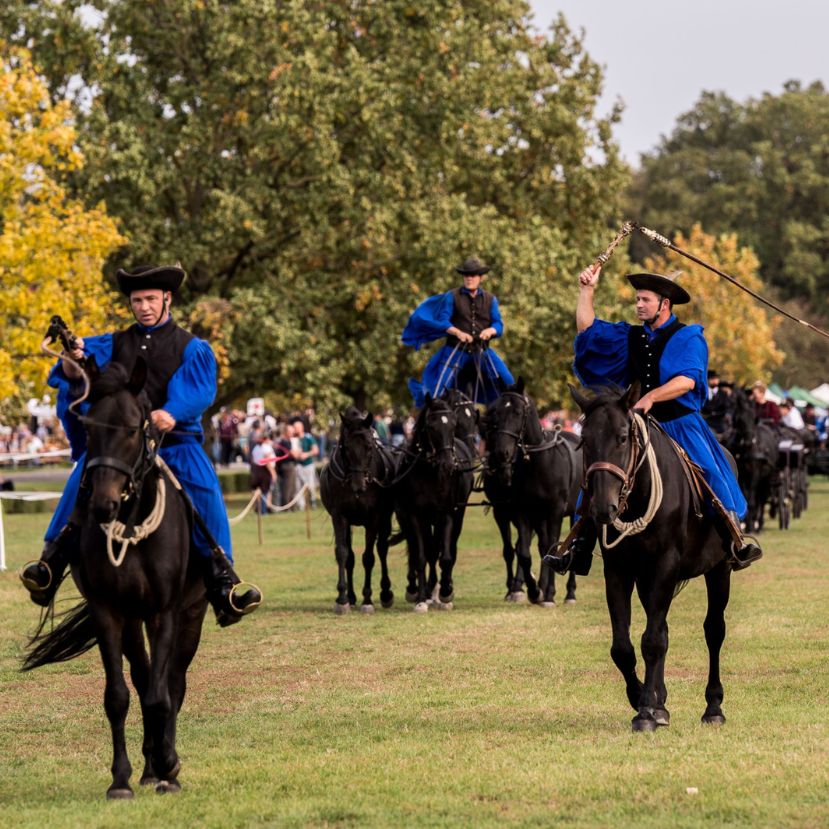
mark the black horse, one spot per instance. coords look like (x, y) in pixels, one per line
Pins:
(532, 481)
(466, 417)
(654, 537)
(433, 482)
(355, 489)
(153, 587)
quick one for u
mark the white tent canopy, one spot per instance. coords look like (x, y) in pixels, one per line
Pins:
(822, 392)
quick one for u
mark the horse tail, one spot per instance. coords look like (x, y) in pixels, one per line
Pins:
(73, 636)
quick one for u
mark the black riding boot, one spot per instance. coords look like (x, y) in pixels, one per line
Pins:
(743, 554)
(221, 581)
(43, 577)
(578, 556)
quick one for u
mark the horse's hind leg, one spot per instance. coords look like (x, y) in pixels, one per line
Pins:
(522, 548)
(718, 585)
(368, 567)
(618, 591)
(116, 699)
(342, 545)
(136, 653)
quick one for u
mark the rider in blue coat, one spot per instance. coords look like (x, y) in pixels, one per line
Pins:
(181, 384)
(670, 362)
(469, 318)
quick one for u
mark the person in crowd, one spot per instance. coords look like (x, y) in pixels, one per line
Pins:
(790, 415)
(765, 410)
(181, 384)
(286, 466)
(228, 436)
(263, 472)
(305, 456)
(382, 429)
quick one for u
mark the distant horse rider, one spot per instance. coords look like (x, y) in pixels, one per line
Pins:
(181, 384)
(669, 360)
(469, 317)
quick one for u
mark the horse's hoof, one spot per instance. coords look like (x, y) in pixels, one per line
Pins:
(367, 608)
(444, 605)
(150, 780)
(518, 596)
(340, 609)
(662, 717)
(411, 598)
(639, 723)
(389, 602)
(120, 793)
(446, 599)
(168, 787)
(570, 600)
(421, 607)
(535, 599)
(713, 719)
(550, 603)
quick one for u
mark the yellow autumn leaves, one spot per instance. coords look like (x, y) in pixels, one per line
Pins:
(52, 248)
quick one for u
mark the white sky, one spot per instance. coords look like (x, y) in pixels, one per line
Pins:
(659, 56)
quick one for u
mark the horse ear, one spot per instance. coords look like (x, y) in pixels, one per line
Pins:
(368, 420)
(582, 400)
(519, 386)
(631, 395)
(138, 376)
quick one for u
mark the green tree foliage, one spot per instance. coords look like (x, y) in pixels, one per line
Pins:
(319, 167)
(760, 169)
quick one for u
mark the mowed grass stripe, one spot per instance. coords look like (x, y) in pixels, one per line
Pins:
(492, 714)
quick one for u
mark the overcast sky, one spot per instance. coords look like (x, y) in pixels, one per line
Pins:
(659, 55)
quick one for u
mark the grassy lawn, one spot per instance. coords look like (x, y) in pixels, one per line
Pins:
(492, 714)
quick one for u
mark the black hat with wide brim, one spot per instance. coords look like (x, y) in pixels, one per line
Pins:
(473, 267)
(662, 285)
(147, 277)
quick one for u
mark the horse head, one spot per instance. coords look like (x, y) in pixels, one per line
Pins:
(357, 445)
(609, 444)
(466, 414)
(506, 426)
(116, 424)
(435, 434)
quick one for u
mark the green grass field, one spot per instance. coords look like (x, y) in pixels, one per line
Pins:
(492, 714)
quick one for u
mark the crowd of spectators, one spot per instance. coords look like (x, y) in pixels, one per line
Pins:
(40, 437)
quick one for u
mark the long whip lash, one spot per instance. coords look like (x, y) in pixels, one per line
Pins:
(628, 227)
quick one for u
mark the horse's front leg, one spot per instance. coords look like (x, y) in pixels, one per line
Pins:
(450, 530)
(116, 698)
(548, 534)
(656, 595)
(420, 534)
(718, 585)
(618, 592)
(368, 566)
(514, 580)
(158, 705)
(136, 654)
(342, 545)
(522, 549)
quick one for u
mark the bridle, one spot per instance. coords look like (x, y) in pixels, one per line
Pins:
(522, 449)
(341, 470)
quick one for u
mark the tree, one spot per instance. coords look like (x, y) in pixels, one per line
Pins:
(319, 167)
(52, 248)
(760, 169)
(739, 330)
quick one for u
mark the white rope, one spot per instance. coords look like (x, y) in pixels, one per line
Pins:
(626, 528)
(291, 503)
(115, 529)
(253, 500)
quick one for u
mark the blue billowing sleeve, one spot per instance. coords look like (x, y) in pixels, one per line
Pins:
(686, 355)
(495, 316)
(429, 320)
(99, 347)
(601, 354)
(193, 386)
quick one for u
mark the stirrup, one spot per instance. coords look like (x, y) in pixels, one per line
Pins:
(243, 611)
(558, 560)
(738, 563)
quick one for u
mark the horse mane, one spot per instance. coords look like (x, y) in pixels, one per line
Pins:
(112, 379)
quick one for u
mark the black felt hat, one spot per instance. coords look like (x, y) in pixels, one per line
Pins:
(147, 277)
(473, 267)
(662, 285)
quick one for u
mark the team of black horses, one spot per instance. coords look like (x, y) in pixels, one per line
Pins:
(624, 473)
(530, 477)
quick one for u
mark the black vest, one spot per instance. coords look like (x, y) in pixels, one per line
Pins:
(162, 348)
(643, 359)
(470, 314)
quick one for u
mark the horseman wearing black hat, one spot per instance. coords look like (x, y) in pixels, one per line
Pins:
(670, 362)
(181, 384)
(469, 318)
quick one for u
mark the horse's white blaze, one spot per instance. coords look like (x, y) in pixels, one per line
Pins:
(468, 413)
(444, 419)
(508, 405)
